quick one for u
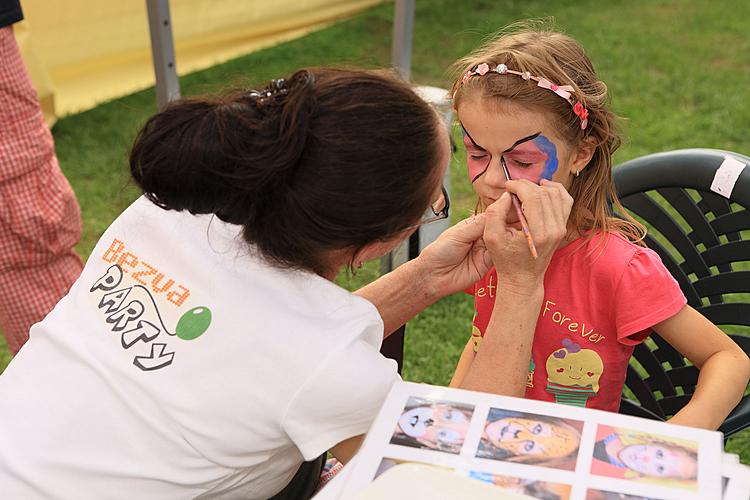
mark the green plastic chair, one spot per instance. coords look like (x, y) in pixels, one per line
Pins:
(703, 238)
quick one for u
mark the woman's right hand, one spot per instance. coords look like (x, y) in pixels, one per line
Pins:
(546, 208)
(510, 332)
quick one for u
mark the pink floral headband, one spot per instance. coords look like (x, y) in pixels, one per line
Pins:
(564, 91)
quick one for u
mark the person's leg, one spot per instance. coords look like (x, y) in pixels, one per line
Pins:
(28, 294)
(304, 484)
(40, 220)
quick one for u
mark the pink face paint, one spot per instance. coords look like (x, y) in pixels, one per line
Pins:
(477, 159)
(532, 158)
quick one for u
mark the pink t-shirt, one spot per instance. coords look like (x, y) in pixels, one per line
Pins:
(600, 300)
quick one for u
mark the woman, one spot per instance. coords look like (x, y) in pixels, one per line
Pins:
(205, 350)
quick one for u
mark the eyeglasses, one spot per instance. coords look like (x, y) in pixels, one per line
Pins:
(438, 210)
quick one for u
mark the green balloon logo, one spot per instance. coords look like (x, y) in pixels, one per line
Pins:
(193, 323)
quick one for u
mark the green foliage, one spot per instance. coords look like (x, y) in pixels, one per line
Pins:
(677, 70)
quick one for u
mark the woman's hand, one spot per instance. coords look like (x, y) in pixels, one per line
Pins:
(463, 254)
(546, 208)
(458, 258)
(520, 286)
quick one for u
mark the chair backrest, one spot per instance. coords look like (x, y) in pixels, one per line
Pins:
(703, 238)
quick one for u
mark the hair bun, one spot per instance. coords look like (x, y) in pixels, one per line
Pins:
(208, 155)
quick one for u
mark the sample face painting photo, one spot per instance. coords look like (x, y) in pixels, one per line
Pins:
(613, 495)
(530, 487)
(434, 425)
(512, 436)
(643, 457)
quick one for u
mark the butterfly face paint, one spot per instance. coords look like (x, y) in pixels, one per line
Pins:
(532, 158)
(477, 159)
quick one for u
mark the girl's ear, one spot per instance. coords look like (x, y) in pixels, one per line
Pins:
(582, 155)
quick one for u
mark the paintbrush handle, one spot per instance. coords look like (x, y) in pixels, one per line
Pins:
(519, 212)
(524, 226)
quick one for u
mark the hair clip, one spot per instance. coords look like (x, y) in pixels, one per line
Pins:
(582, 113)
(275, 88)
(278, 87)
(564, 91)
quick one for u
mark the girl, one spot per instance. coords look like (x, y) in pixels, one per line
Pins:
(435, 425)
(531, 101)
(205, 351)
(513, 436)
(628, 454)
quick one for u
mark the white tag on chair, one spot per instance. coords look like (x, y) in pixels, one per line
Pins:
(726, 176)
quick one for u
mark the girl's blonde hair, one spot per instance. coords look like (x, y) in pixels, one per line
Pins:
(530, 46)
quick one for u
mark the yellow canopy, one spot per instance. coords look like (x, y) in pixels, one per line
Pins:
(83, 52)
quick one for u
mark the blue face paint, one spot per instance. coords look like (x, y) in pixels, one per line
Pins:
(548, 148)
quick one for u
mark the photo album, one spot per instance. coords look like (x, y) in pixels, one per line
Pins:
(540, 449)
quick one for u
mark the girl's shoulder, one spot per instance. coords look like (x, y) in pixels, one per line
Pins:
(610, 252)
(593, 246)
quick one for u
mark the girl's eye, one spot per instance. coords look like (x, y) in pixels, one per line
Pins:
(528, 445)
(659, 454)
(521, 164)
(537, 429)
(660, 469)
(477, 157)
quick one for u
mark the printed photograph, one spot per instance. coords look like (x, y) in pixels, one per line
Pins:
(434, 425)
(528, 438)
(536, 489)
(648, 458)
(613, 495)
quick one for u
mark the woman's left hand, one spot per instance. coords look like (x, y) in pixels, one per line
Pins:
(458, 258)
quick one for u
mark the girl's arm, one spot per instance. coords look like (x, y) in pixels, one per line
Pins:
(464, 363)
(724, 367)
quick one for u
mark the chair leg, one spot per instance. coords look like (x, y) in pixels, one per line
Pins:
(393, 347)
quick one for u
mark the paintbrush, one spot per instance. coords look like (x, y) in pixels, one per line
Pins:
(519, 212)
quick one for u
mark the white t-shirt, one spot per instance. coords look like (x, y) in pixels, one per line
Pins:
(182, 365)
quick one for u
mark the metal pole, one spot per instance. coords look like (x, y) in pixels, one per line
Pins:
(162, 52)
(403, 28)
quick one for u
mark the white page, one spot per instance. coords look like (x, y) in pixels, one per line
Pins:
(572, 426)
(738, 481)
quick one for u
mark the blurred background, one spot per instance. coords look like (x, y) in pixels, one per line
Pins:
(678, 73)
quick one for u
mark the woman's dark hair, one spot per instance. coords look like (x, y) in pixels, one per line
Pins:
(329, 159)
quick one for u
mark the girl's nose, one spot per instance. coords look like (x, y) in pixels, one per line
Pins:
(494, 176)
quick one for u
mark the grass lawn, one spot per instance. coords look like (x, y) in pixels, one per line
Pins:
(677, 70)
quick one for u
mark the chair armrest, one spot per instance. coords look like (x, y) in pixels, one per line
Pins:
(628, 407)
(738, 419)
